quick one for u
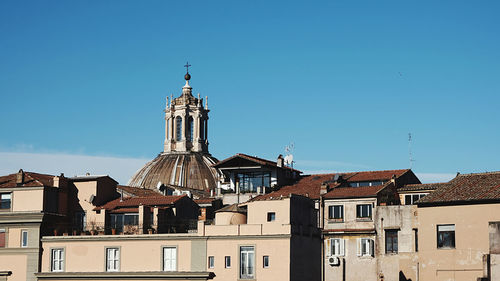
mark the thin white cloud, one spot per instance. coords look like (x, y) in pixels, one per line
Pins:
(434, 177)
(329, 164)
(120, 169)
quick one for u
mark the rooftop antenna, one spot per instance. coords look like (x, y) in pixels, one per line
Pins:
(289, 156)
(410, 157)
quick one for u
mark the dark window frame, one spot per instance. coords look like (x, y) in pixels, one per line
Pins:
(445, 236)
(391, 241)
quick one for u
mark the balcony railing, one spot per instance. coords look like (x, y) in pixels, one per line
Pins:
(94, 228)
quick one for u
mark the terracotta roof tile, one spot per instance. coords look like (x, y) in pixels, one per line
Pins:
(421, 186)
(30, 180)
(261, 161)
(481, 187)
(137, 191)
(204, 200)
(310, 185)
(354, 192)
(158, 200)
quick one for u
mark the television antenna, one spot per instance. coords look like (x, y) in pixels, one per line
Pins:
(289, 156)
(410, 156)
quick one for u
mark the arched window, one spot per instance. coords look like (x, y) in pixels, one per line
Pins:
(178, 125)
(168, 129)
(190, 129)
(202, 129)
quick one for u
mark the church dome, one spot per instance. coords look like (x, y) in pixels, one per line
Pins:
(192, 170)
(185, 161)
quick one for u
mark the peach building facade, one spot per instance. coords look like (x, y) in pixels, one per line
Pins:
(267, 239)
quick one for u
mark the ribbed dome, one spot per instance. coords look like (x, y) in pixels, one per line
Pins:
(192, 170)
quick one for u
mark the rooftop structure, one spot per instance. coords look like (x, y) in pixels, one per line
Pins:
(185, 160)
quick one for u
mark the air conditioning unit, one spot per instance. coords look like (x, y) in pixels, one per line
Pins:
(333, 261)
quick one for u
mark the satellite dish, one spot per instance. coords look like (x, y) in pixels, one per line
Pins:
(289, 159)
(158, 186)
(92, 197)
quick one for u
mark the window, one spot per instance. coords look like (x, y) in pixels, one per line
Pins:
(24, 238)
(364, 211)
(446, 236)
(112, 259)
(271, 216)
(57, 260)
(336, 247)
(211, 261)
(80, 221)
(119, 221)
(190, 129)
(336, 212)
(2, 238)
(410, 199)
(247, 262)
(416, 240)
(391, 241)
(5, 200)
(365, 247)
(169, 258)
(265, 261)
(251, 180)
(365, 183)
(178, 127)
(227, 262)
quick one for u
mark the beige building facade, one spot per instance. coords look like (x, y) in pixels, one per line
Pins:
(271, 238)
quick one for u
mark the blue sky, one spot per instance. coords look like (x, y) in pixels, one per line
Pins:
(345, 81)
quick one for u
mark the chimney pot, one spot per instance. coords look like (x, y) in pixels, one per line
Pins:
(20, 177)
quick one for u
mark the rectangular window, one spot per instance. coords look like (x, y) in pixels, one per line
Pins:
(271, 216)
(2, 238)
(24, 238)
(336, 212)
(446, 236)
(211, 261)
(249, 182)
(57, 260)
(365, 247)
(247, 262)
(80, 221)
(5, 201)
(112, 259)
(227, 262)
(391, 241)
(410, 199)
(265, 261)
(416, 240)
(364, 211)
(337, 246)
(169, 258)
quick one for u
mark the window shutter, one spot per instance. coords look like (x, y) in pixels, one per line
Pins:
(372, 246)
(342, 247)
(359, 247)
(328, 247)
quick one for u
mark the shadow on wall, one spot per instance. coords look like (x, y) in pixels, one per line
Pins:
(402, 277)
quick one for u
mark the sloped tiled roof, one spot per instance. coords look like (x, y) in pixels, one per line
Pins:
(421, 186)
(158, 200)
(310, 185)
(258, 160)
(466, 188)
(136, 191)
(30, 180)
(355, 192)
(204, 200)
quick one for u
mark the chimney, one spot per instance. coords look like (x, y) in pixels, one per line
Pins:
(323, 189)
(56, 181)
(20, 177)
(280, 161)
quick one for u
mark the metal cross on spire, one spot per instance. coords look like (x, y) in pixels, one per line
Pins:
(187, 67)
